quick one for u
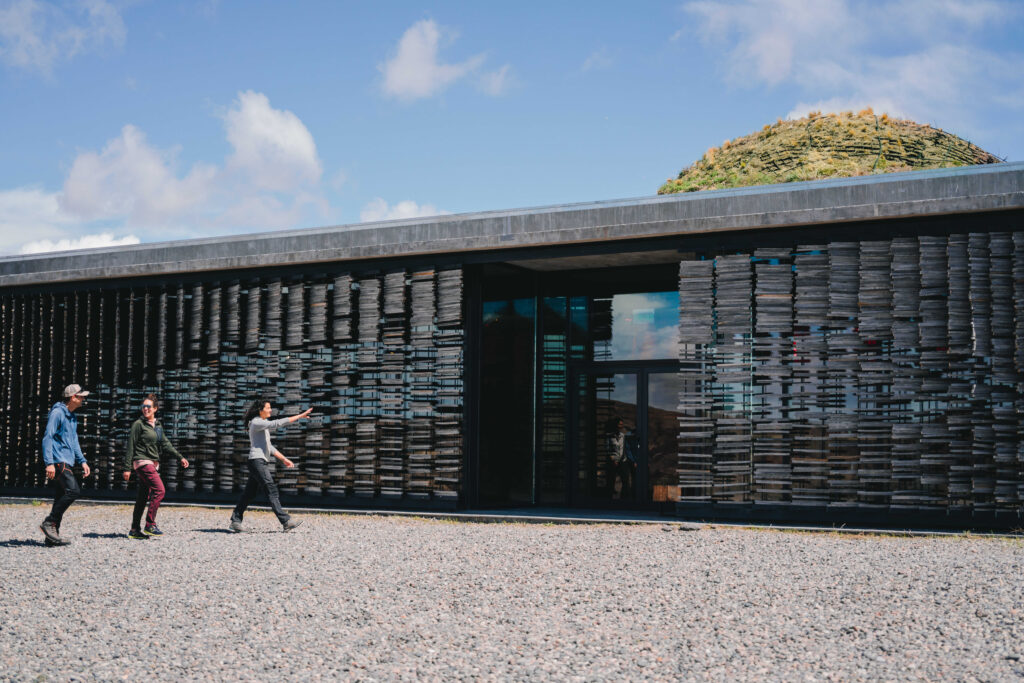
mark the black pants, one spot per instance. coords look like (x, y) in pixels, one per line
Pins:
(66, 492)
(259, 478)
(622, 471)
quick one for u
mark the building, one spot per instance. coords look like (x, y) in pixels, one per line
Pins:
(832, 351)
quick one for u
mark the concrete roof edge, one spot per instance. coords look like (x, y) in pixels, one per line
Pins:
(896, 195)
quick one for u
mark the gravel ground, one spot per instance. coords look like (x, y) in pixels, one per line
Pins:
(382, 598)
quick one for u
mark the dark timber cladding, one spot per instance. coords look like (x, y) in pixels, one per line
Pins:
(843, 373)
(386, 384)
(880, 375)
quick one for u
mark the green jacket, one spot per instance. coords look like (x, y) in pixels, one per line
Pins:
(146, 443)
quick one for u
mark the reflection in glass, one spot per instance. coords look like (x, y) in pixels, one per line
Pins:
(506, 402)
(637, 327)
(554, 381)
(662, 435)
(609, 447)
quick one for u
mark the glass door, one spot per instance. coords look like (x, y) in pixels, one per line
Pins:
(606, 426)
(624, 428)
(662, 399)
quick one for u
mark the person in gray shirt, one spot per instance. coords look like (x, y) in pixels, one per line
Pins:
(257, 421)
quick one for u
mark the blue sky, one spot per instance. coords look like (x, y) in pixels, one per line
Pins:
(127, 121)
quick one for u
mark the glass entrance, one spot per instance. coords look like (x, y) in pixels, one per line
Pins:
(663, 436)
(607, 428)
(624, 431)
(564, 358)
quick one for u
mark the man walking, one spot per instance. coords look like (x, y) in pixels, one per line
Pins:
(61, 453)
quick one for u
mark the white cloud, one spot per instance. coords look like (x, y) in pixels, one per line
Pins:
(378, 210)
(134, 181)
(841, 56)
(29, 212)
(103, 239)
(338, 180)
(496, 83)
(272, 179)
(770, 38)
(272, 147)
(37, 36)
(415, 70)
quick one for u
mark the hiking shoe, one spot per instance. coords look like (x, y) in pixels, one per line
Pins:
(50, 531)
(291, 524)
(153, 530)
(137, 535)
(235, 527)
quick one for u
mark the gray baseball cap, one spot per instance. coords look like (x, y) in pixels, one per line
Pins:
(74, 390)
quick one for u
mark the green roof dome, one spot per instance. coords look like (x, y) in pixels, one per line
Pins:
(826, 146)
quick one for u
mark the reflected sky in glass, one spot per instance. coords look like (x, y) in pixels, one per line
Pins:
(644, 326)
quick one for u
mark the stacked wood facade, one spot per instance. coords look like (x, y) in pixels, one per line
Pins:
(378, 356)
(880, 375)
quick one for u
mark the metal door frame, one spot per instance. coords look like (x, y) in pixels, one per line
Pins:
(642, 370)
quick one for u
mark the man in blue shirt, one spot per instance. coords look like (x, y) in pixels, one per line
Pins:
(61, 453)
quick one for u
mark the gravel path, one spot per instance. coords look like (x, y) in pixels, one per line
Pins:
(381, 598)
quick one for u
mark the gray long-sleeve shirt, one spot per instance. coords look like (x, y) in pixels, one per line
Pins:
(259, 437)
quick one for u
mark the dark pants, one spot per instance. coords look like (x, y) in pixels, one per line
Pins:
(149, 489)
(259, 478)
(622, 471)
(66, 492)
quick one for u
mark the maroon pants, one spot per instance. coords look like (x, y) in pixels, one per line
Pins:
(149, 489)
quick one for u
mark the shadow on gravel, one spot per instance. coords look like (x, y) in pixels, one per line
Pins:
(95, 535)
(229, 532)
(19, 543)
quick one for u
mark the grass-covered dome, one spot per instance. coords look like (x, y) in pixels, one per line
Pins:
(826, 146)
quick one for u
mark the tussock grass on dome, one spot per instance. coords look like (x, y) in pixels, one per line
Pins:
(826, 146)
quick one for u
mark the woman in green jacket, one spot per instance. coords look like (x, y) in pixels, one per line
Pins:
(146, 444)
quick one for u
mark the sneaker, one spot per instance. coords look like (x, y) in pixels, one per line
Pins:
(138, 535)
(235, 527)
(56, 544)
(50, 531)
(153, 530)
(291, 524)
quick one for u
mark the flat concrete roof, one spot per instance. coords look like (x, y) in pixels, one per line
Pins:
(995, 187)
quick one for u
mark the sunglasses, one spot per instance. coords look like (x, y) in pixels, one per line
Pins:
(146, 406)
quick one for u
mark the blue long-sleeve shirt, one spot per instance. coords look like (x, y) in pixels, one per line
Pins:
(60, 442)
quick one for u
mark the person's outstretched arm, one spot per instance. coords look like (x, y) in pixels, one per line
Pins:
(294, 418)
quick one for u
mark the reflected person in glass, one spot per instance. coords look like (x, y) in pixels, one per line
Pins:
(622, 451)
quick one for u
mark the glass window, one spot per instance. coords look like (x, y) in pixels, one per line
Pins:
(638, 326)
(506, 402)
(662, 435)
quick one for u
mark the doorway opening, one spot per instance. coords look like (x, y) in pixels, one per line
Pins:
(561, 354)
(623, 435)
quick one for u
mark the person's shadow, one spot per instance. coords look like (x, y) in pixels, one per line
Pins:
(93, 534)
(20, 543)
